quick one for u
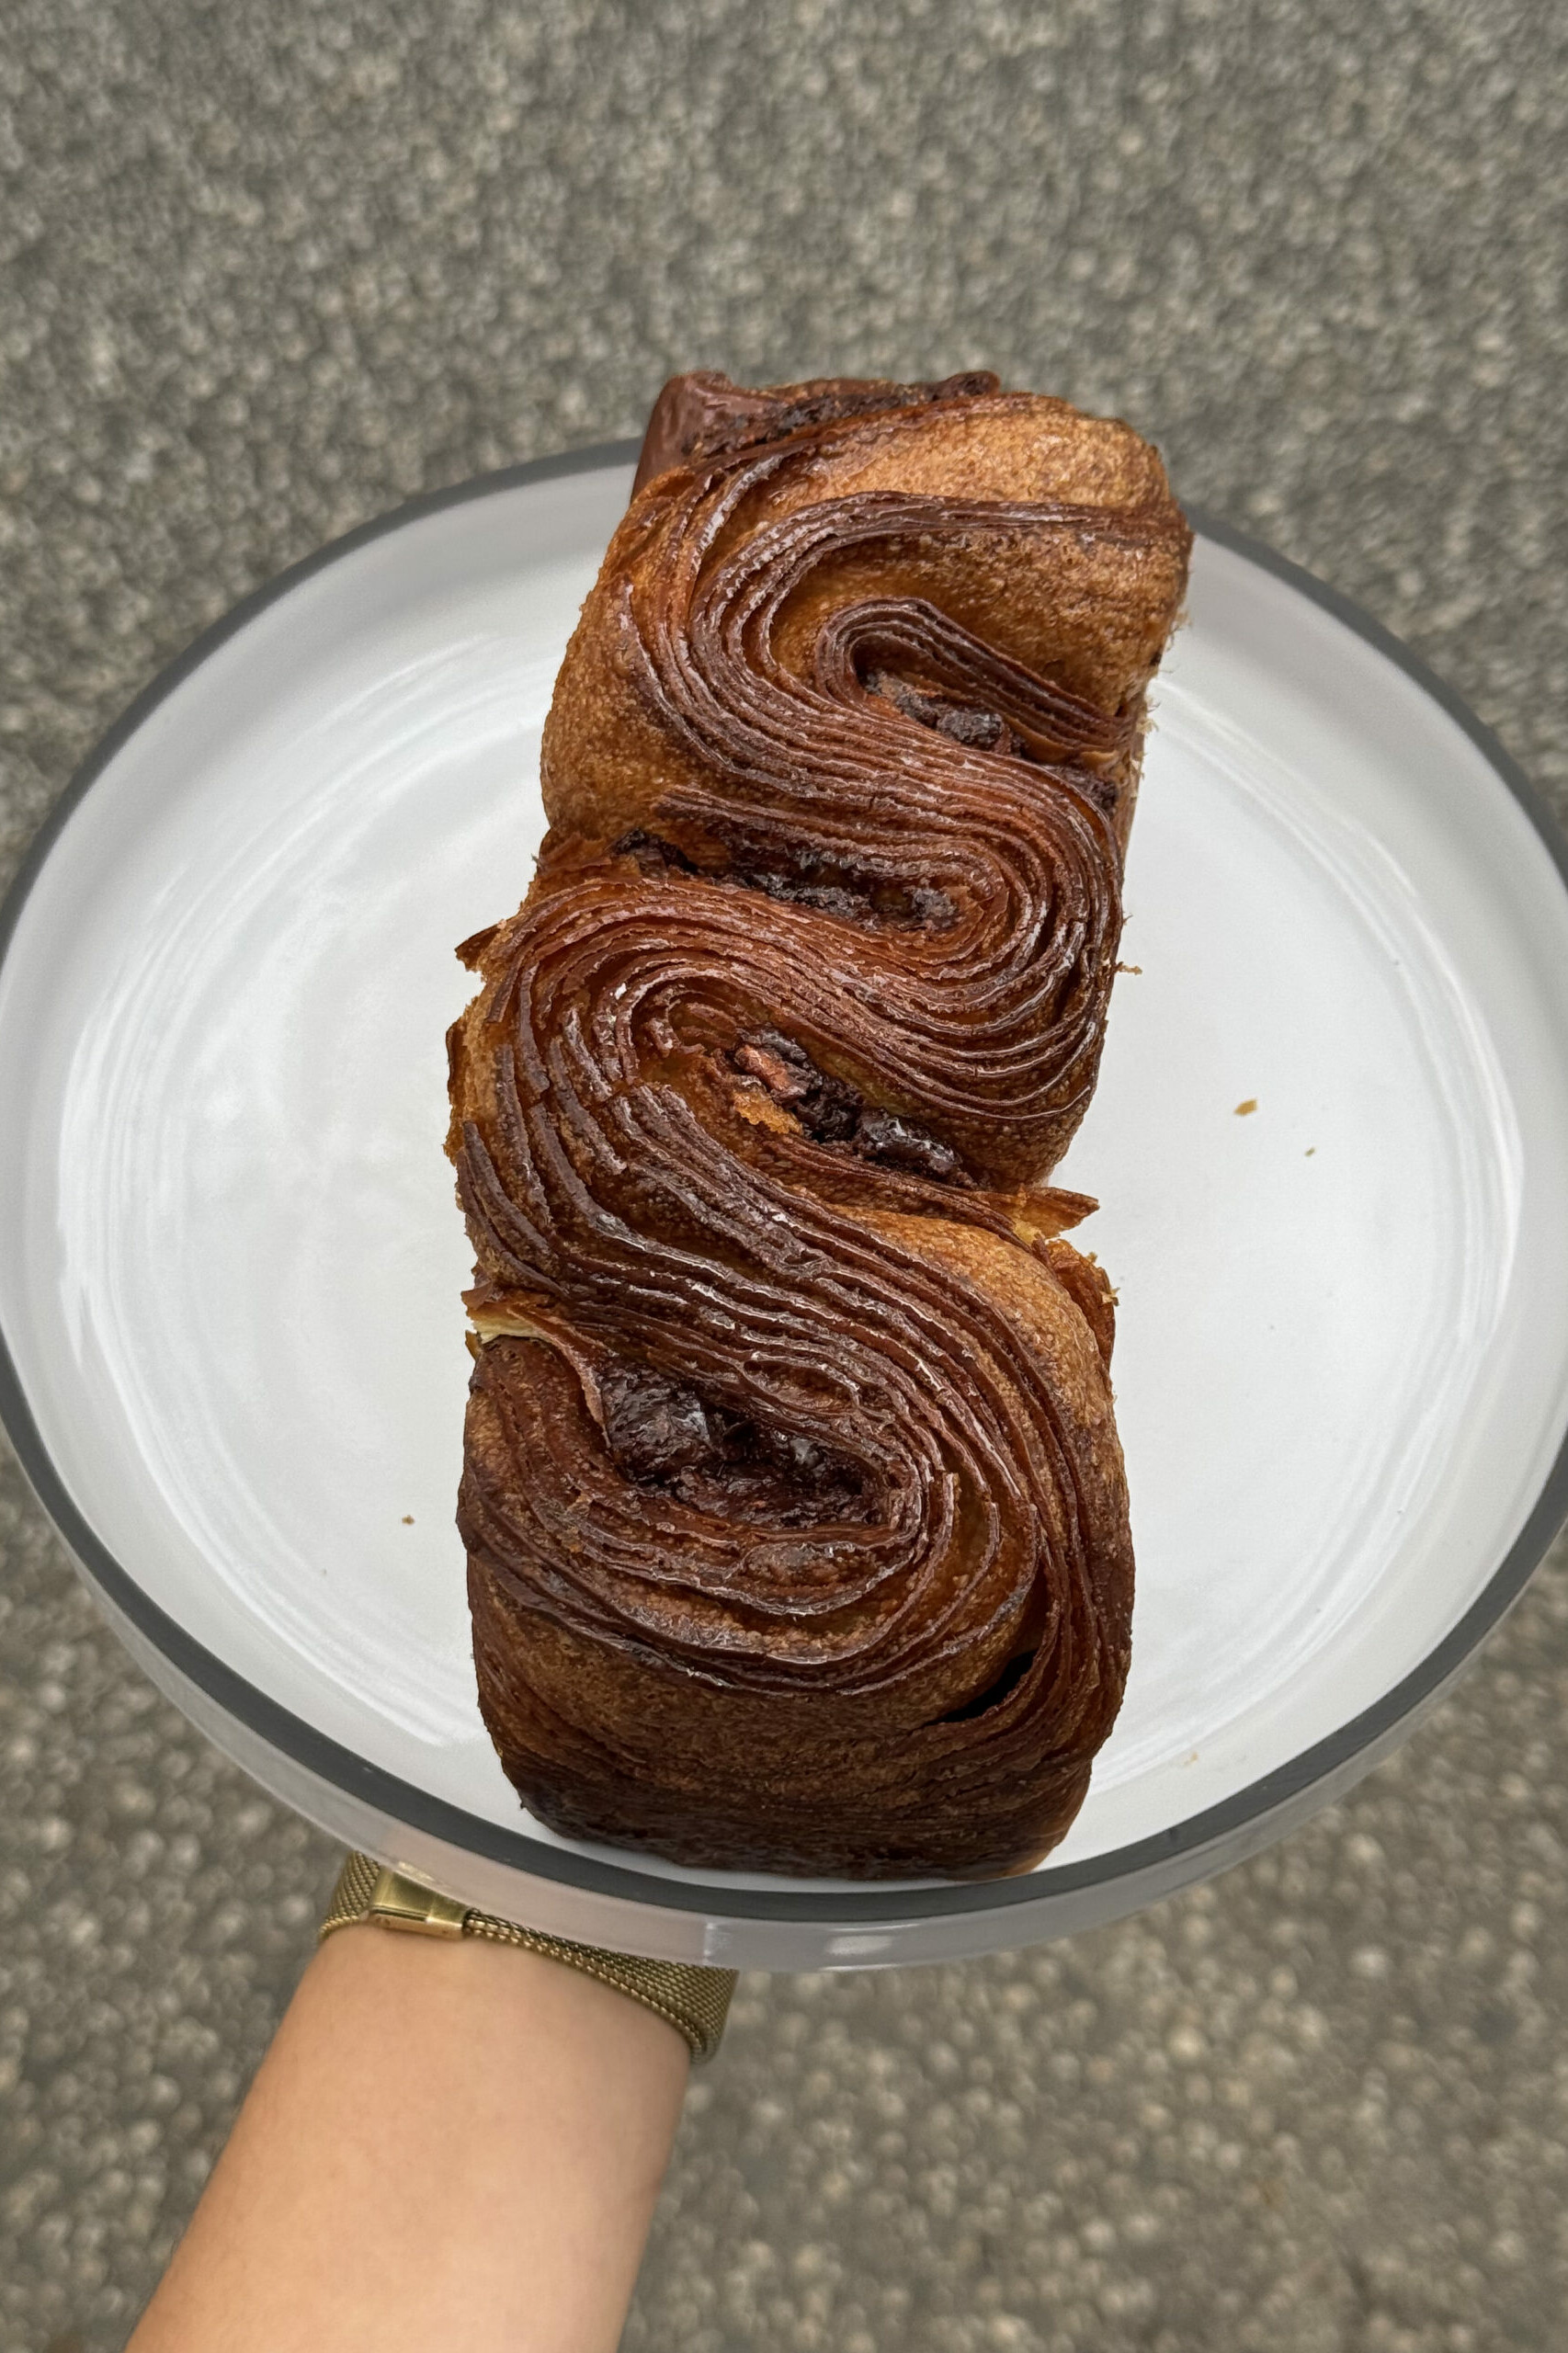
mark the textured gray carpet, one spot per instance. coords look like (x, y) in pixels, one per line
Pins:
(270, 269)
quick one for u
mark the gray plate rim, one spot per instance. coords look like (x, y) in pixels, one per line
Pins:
(280, 1729)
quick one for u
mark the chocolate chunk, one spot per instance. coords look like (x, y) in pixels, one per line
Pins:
(883, 1136)
(827, 1107)
(860, 899)
(982, 731)
(654, 856)
(829, 898)
(655, 1427)
(664, 1434)
(832, 1111)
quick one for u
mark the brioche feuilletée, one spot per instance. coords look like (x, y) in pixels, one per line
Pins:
(794, 1509)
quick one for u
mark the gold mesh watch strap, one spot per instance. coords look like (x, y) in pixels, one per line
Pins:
(352, 1897)
(694, 2000)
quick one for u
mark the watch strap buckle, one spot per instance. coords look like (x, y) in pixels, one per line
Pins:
(397, 1902)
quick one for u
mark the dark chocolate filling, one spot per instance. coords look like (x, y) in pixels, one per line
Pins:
(663, 1434)
(982, 731)
(972, 725)
(831, 889)
(832, 1111)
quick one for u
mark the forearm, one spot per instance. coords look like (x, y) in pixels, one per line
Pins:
(448, 2143)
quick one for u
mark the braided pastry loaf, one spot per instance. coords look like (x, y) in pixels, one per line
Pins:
(793, 1504)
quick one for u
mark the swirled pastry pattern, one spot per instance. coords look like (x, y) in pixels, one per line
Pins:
(794, 1509)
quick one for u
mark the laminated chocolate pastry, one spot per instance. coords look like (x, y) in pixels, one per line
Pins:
(793, 1503)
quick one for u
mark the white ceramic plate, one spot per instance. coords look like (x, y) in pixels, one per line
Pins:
(230, 1258)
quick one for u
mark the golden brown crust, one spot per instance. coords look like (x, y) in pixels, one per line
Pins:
(794, 1508)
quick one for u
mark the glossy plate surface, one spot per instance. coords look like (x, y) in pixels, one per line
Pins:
(230, 1259)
